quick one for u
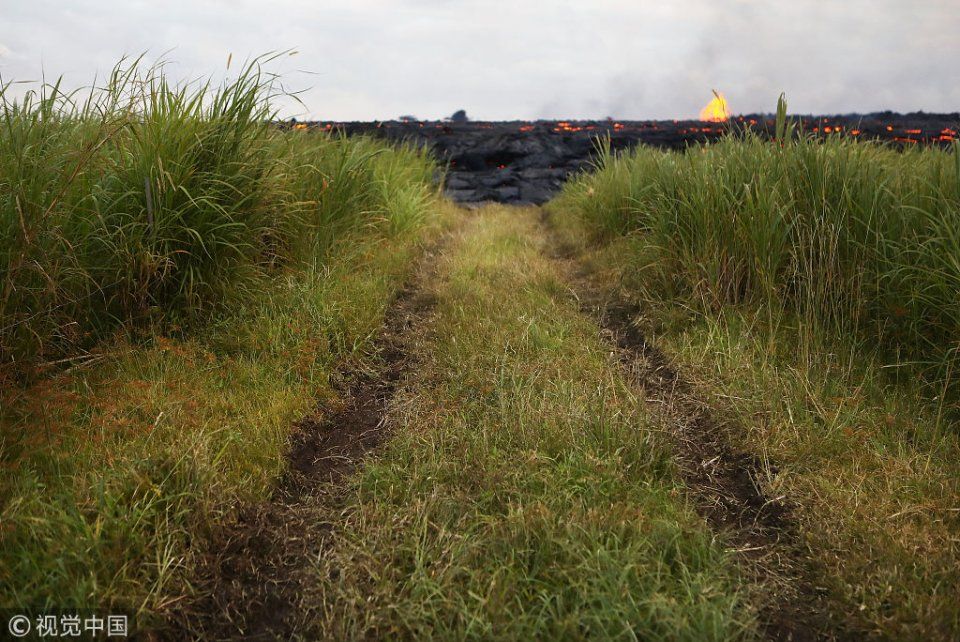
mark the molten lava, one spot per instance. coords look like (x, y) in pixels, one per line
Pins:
(717, 110)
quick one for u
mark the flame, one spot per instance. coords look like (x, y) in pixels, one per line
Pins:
(717, 110)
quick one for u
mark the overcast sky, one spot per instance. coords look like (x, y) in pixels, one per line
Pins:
(504, 59)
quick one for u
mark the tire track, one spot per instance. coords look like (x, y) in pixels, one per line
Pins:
(257, 568)
(725, 485)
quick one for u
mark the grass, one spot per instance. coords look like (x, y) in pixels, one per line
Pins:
(523, 494)
(115, 472)
(856, 239)
(142, 202)
(804, 288)
(180, 281)
(877, 484)
(263, 266)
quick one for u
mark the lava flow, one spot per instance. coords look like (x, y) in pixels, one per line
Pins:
(527, 161)
(717, 110)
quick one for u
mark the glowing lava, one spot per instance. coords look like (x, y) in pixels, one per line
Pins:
(717, 110)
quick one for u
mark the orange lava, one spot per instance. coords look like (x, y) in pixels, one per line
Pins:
(717, 110)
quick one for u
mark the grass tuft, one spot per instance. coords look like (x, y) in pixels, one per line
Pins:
(144, 202)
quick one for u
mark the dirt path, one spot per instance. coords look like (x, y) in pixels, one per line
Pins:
(726, 486)
(267, 563)
(257, 569)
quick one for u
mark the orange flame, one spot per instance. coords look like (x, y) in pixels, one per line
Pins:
(717, 110)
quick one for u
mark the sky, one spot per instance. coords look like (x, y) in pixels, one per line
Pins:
(519, 59)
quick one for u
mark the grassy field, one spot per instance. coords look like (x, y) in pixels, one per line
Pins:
(809, 290)
(181, 282)
(856, 240)
(524, 494)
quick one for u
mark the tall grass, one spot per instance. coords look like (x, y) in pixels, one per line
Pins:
(857, 239)
(145, 204)
(144, 200)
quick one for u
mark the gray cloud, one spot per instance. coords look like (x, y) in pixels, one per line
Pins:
(371, 59)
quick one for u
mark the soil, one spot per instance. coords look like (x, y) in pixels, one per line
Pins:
(254, 570)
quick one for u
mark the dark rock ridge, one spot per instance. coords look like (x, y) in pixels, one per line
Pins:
(527, 162)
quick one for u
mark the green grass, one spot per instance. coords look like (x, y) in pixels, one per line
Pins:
(805, 290)
(202, 331)
(523, 494)
(115, 472)
(857, 239)
(876, 484)
(141, 202)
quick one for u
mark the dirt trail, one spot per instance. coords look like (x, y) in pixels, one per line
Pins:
(727, 488)
(258, 567)
(726, 485)
(262, 564)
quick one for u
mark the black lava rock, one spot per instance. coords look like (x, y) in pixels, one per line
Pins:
(527, 162)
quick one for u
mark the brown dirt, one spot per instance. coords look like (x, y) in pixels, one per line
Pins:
(256, 568)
